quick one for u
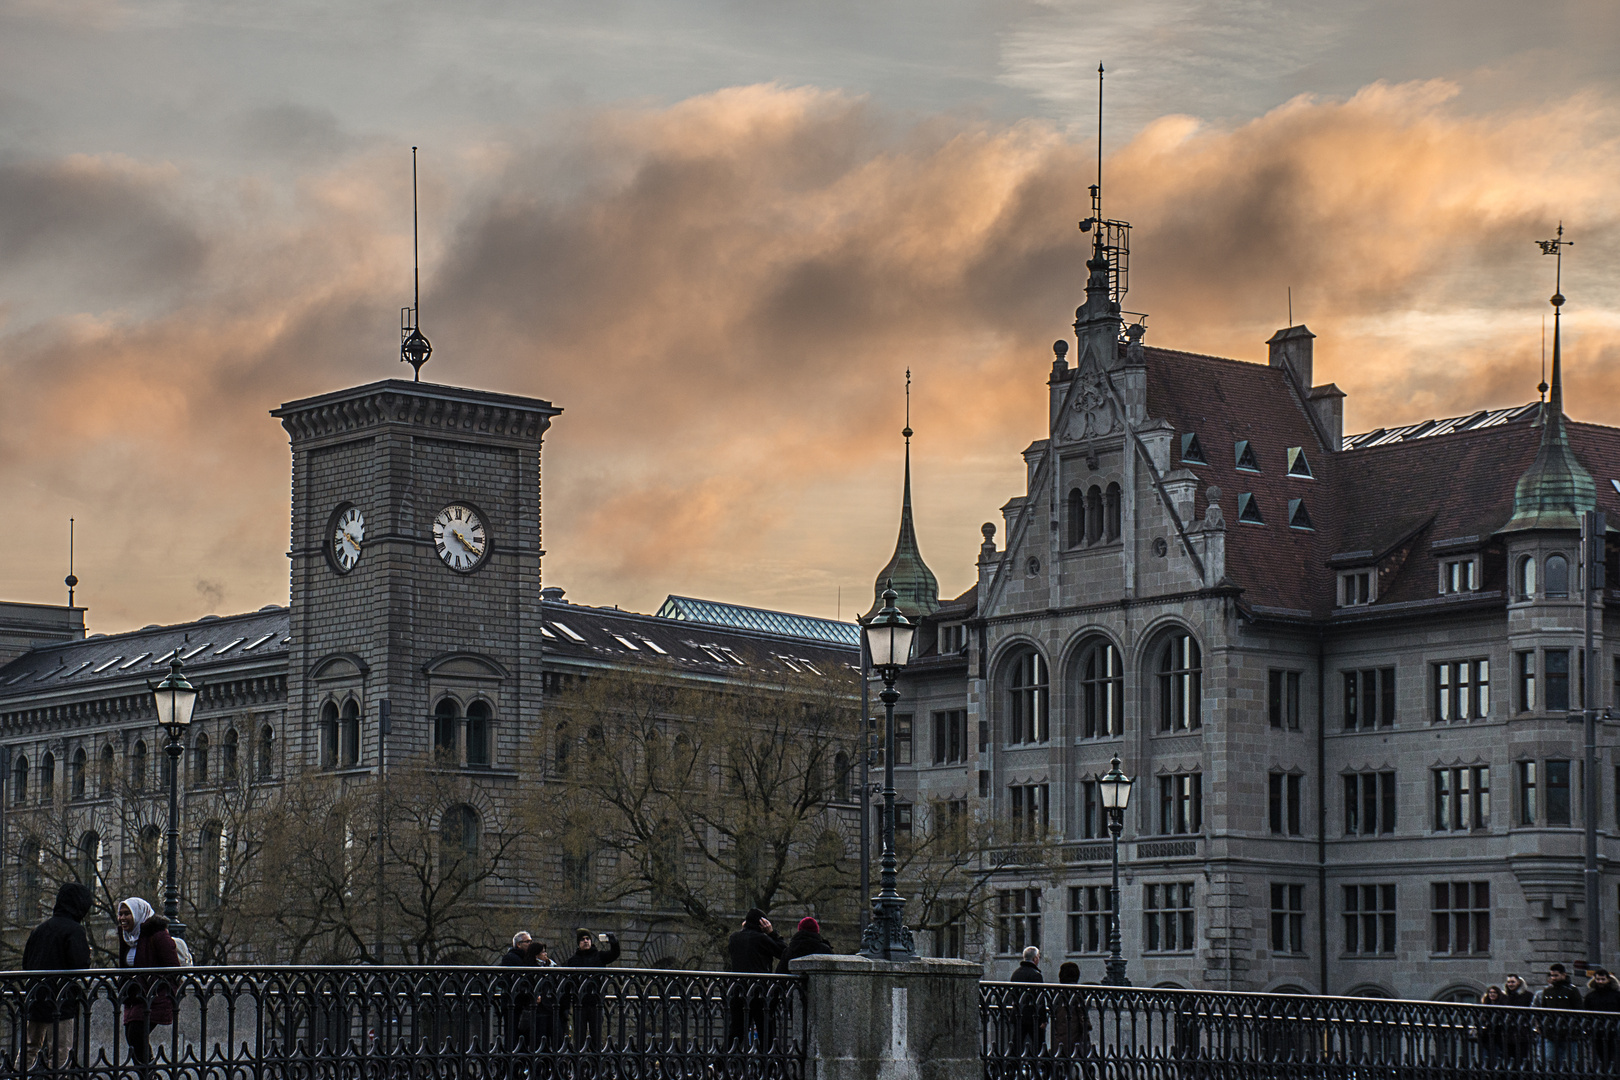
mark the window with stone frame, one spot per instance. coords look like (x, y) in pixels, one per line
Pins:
(1287, 918)
(1460, 914)
(1462, 798)
(1180, 683)
(1031, 810)
(1556, 795)
(1529, 808)
(1524, 666)
(1555, 668)
(950, 736)
(1369, 803)
(1102, 690)
(1181, 803)
(1369, 919)
(1027, 699)
(1090, 912)
(902, 739)
(1018, 920)
(1369, 698)
(1282, 699)
(1285, 804)
(1167, 917)
(1462, 690)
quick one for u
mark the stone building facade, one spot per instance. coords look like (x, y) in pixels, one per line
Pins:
(1340, 670)
(417, 623)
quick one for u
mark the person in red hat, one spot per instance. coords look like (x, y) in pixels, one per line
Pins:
(806, 941)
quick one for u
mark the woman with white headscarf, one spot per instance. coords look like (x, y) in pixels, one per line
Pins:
(144, 942)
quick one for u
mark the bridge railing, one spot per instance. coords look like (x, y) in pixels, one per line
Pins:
(1066, 1032)
(360, 1023)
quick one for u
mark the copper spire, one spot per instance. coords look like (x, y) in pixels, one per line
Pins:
(906, 572)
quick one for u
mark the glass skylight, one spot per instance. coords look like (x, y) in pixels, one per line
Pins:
(715, 613)
(564, 627)
(126, 665)
(105, 664)
(256, 644)
(223, 649)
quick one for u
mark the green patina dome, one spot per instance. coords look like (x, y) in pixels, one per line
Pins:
(1556, 489)
(906, 572)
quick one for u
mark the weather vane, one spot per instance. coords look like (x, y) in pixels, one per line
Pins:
(1555, 247)
(414, 348)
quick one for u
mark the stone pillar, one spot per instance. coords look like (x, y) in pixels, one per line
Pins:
(881, 1020)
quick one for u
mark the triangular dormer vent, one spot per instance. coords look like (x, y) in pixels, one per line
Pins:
(1297, 465)
(1297, 517)
(1192, 450)
(1249, 509)
(1244, 453)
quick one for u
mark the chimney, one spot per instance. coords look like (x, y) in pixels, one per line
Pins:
(1293, 348)
(1326, 402)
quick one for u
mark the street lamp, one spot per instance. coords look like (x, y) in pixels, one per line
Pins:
(1115, 788)
(888, 641)
(175, 698)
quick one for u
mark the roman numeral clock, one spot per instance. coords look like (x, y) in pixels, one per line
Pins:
(415, 562)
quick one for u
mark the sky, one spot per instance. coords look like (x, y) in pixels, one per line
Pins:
(718, 234)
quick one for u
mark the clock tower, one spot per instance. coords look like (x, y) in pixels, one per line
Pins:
(415, 574)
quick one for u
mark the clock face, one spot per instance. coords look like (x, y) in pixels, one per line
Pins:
(459, 537)
(348, 533)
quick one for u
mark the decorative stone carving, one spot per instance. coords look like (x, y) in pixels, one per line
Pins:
(1093, 414)
(1214, 518)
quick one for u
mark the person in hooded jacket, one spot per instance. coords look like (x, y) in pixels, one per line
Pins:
(806, 941)
(588, 1003)
(1603, 996)
(57, 944)
(144, 942)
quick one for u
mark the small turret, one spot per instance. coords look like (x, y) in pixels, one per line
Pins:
(905, 571)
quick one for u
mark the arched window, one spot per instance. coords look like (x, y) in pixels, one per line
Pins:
(199, 759)
(458, 843)
(150, 870)
(87, 866)
(77, 770)
(267, 752)
(328, 735)
(478, 733)
(1557, 583)
(1111, 513)
(137, 766)
(1524, 578)
(444, 729)
(1180, 684)
(211, 865)
(1027, 698)
(1077, 517)
(841, 777)
(30, 879)
(47, 778)
(1094, 514)
(109, 772)
(351, 732)
(19, 780)
(228, 755)
(564, 745)
(1102, 690)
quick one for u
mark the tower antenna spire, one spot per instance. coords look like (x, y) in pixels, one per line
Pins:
(71, 581)
(1555, 247)
(1110, 244)
(414, 348)
(1096, 192)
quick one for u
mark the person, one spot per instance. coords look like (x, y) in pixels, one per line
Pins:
(547, 1024)
(1031, 1017)
(806, 941)
(518, 954)
(146, 943)
(753, 949)
(1490, 1031)
(1071, 1025)
(1519, 1037)
(588, 1003)
(521, 1025)
(1557, 1033)
(1602, 995)
(57, 944)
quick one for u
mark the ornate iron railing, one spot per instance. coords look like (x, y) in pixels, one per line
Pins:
(1047, 1032)
(383, 1023)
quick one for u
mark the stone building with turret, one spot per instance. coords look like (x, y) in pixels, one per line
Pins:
(1340, 669)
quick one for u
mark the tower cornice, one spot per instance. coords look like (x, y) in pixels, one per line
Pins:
(442, 410)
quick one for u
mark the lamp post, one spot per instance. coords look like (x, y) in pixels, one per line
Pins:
(175, 698)
(888, 641)
(1115, 788)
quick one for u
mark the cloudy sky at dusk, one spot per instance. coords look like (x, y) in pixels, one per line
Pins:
(717, 233)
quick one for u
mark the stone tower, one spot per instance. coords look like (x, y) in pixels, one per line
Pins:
(415, 573)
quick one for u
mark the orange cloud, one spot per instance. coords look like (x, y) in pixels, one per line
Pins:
(724, 295)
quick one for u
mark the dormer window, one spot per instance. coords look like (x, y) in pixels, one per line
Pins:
(1297, 517)
(1249, 509)
(1192, 451)
(1356, 588)
(1524, 578)
(1243, 451)
(1459, 575)
(1297, 465)
(952, 639)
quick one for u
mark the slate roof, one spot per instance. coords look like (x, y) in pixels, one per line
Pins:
(610, 637)
(1420, 485)
(112, 662)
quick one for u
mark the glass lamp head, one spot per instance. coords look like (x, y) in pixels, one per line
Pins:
(889, 634)
(1115, 788)
(175, 698)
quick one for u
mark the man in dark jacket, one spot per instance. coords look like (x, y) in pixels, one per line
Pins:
(1603, 996)
(754, 949)
(588, 1000)
(806, 941)
(1031, 1016)
(520, 1025)
(57, 944)
(1557, 1032)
